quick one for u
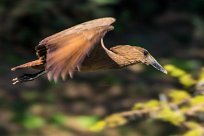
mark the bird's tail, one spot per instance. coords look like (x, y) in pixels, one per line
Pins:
(28, 77)
(28, 65)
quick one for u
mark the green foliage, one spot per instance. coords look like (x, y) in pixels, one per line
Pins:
(184, 78)
(169, 115)
(97, 127)
(111, 121)
(33, 121)
(145, 23)
(152, 104)
(178, 107)
(197, 100)
(86, 121)
(179, 96)
(58, 118)
(195, 129)
(194, 132)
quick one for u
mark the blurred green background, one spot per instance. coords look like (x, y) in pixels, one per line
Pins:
(172, 30)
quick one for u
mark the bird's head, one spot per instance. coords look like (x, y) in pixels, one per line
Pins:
(135, 54)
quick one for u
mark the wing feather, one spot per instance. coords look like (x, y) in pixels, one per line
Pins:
(66, 50)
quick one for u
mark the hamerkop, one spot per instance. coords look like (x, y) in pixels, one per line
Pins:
(78, 49)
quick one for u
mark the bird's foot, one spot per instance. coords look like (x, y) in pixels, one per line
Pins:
(27, 77)
(23, 78)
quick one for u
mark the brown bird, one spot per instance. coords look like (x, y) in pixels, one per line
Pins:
(77, 49)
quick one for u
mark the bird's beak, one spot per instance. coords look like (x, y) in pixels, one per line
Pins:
(151, 60)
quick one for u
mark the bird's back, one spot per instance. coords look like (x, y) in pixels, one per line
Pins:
(98, 59)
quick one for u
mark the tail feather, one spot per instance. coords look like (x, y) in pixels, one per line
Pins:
(29, 64)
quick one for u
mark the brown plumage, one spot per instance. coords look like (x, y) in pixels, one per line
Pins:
(78, 49)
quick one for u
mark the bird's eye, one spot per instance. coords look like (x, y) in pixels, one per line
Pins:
(145, 53)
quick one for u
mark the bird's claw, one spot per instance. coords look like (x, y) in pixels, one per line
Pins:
(27, 77)
(15, 80)
(23, 78)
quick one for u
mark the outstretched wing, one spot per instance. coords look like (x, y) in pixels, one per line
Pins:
(67, 49)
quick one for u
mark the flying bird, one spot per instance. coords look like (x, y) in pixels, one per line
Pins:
(81, 48)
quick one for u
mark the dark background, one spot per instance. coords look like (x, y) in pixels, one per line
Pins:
(171, 30)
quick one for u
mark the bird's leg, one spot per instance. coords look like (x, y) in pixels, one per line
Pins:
(28, 77)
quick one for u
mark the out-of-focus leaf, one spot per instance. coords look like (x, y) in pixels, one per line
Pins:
(178, 72)
(169, 67)
(192, 125)
(138, 106)
(152, 104)
(174, 117)
(178, 96)
(187, 80)
(99, 126)
(174, 71)
(197, 100)
(58, 118)
(86, 121)
(33, 122)
(194, 132)
(115, 120)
